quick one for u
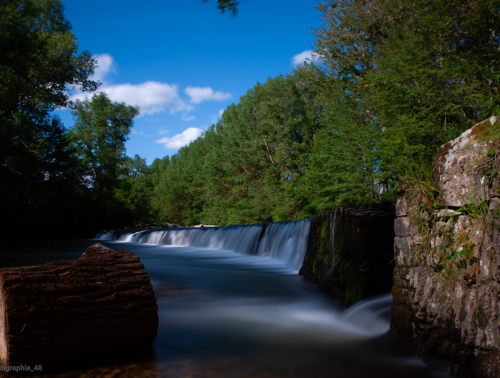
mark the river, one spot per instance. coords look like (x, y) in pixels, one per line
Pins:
(240, 314)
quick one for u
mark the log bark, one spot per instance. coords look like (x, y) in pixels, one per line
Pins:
(65, 310)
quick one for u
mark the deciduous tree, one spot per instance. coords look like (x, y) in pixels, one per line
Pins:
(100, 132)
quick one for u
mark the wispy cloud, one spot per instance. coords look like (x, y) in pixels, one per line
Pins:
(106, 64)
(304, 56)
(182, 139)
(220, 112)
(199, 94)
(185, 117)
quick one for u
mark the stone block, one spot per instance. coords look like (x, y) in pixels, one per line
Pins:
(454, 172)
(464, 295)
(405, 226)
(406, 244)
(494, 205)
(401, 207)
(445, 214)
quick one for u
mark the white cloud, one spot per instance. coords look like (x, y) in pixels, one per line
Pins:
(163, 132)
(301, 58)
(106, 64)
(199, 94)
(151, 96)
(220, 112)
(185, 117)
(180, 140)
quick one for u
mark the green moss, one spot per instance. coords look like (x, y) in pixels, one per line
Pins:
(470, 254)
(348, 264)
(322, 248)
(353, 294)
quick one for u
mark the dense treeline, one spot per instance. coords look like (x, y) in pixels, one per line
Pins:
(392, 80)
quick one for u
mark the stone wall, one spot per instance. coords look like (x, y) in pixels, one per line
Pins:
(447, 251)
(349, 254)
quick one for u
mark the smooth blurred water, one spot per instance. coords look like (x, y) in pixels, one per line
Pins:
(227, 314)
(285, 241)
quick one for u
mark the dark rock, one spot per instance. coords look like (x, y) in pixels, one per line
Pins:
(350, 252)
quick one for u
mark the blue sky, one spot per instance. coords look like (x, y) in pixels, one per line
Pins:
(183, 61)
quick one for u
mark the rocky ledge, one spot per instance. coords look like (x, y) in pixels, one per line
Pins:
(447, 253)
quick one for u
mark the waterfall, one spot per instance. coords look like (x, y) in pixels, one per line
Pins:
(286, 241)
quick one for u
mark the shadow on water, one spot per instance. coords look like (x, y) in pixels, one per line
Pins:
(224, 314)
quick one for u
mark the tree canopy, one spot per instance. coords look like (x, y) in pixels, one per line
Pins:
(395, 79)
(100, 132)
(39, 61)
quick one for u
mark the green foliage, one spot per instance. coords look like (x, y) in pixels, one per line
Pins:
(400, 83)
(395, 80)
(248, 167)
(135, 189)
(40, 179)
(227, 6)
(99, 134)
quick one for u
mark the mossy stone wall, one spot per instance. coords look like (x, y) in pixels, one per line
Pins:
(350, 252)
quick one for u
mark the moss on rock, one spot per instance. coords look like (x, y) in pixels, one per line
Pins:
(350, 252)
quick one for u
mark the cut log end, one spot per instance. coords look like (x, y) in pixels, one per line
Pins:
(4, 345)
(70, 310)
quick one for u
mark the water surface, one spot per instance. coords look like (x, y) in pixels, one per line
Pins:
(227, 314)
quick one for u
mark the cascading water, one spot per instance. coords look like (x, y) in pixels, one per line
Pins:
(228, 306)
(286, 241)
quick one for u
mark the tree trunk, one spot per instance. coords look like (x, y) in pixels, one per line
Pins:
(64, 310)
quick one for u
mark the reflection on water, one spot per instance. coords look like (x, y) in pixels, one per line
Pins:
(224, 314)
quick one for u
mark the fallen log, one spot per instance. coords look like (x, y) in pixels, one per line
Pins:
(58, 311)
